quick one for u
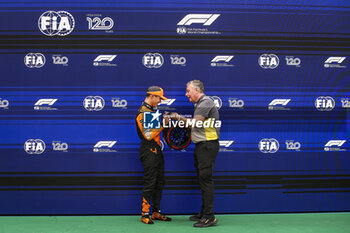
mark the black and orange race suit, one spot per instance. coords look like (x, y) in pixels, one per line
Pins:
(152, 160)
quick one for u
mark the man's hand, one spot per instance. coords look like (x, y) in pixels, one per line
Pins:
(175, 116)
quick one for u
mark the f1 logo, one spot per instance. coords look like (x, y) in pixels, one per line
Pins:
(205, 19)
(283, 102)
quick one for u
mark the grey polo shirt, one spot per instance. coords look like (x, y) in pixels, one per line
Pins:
(205, 107)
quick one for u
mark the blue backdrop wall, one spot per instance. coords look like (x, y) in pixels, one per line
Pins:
(74, 73)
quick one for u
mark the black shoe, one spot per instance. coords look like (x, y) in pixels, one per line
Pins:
(206, 222)
(196, 217)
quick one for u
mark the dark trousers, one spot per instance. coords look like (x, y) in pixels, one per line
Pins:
(204, 160)
(152, 160)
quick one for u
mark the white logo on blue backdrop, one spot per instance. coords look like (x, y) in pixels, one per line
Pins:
(153, 60)
(94, 103)
(34, 146)
(268, 145)
(53, 23)
(268, 61)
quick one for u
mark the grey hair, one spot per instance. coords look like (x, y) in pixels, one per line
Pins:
(198, 84)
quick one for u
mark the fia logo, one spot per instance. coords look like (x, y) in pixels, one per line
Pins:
(153, 60)
(152, 120)
(94, 103)
(4, 103)
(268, 145)
(34, 60)
(34, 146)
(217, 101)
(53, 23)
(96, 23)
(324, 103)
(268, 61)
(181, 30)
(119, 103)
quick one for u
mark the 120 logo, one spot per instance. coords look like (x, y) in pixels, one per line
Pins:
(97, 24)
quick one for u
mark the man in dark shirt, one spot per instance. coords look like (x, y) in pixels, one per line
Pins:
(206, 147)
(151, 157)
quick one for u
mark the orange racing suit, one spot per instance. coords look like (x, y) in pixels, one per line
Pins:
(152, 160)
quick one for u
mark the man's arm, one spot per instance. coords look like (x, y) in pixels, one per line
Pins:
(148, 134)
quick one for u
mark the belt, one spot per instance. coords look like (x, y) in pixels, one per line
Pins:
(217, 140)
